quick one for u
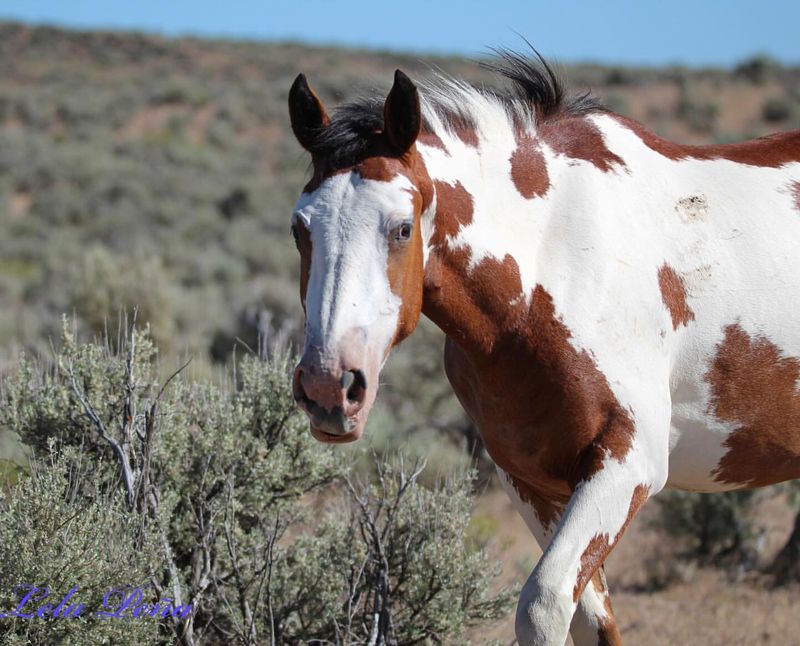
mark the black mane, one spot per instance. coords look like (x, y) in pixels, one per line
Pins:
(537, 86)
(354, 130)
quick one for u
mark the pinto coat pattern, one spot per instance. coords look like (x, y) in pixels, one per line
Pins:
(619, 309)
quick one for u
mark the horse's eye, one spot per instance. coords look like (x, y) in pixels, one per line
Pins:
(402, 233)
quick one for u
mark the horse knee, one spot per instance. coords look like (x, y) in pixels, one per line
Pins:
(543, 614)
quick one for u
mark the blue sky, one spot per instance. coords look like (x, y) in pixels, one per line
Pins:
(699, 32)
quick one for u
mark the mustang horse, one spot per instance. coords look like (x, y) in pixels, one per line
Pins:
(620, 310)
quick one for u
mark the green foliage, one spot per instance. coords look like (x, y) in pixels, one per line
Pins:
(716, 527)
(106, 284)
(410, 576)
(50, 536)
(122, 173)
(699, 115)
(218, 496)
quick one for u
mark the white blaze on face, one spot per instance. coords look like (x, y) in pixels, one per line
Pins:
(349, 303)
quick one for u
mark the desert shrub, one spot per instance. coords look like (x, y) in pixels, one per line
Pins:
(400, 550)
(50, 538)
(777, 108)
(715, 528)
(699, 115)
(758, 69)
(106, 285)
(34, 111)
(620, 76)
(232, 499)
(176, 89)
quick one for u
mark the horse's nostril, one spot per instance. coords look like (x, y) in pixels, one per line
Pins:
(356, 385)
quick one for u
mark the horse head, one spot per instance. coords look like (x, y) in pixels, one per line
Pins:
(357, 226)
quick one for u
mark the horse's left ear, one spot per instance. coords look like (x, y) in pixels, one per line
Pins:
(306, 112)
(402, 118)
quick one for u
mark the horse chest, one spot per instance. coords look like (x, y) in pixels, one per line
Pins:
(531, 427)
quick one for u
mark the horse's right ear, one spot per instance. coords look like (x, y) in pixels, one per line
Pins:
(306, 112)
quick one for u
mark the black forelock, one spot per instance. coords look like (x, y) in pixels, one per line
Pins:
(354, 131)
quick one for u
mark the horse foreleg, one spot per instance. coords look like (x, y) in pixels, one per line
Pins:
(597, 515)
(593, 622)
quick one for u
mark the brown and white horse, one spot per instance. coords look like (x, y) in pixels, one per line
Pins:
(620, 310)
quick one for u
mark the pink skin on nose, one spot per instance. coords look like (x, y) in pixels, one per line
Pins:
(337, 389)
(322, 385)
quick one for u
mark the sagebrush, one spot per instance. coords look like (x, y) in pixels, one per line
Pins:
(217, 496)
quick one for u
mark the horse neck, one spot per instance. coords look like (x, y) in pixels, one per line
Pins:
(493, 214)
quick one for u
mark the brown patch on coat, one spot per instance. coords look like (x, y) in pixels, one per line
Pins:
(528, 168)
(755, 387)
(770, 151)
(547, 511)
(600, 545)
(591, 559)
(579, 138)
(448, 221)
(382, 164)
(608, 632)
(547, 414)
(380, 161)
(673, 293)
(433, 140)
(467, 134)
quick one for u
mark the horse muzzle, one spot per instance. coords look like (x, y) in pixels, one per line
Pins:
(336, 400)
